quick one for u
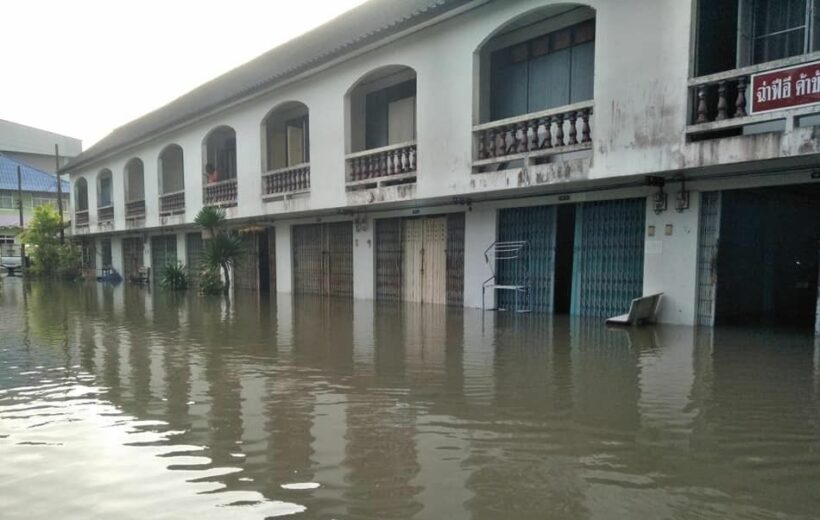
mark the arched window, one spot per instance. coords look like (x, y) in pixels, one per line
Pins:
(105, 189)
(286, 140)
(219, 172)
(81, 195)
(171, 180)
(134, 188)
(381, 126)
(105, 197)
(285, 150)
(539, 69)
(220, 152)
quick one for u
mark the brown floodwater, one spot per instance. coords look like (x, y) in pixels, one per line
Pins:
(128, 403)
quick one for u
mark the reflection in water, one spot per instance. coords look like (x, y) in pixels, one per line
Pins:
(123, 402)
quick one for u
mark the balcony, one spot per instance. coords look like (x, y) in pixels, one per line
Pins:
(105, 215)
(172, 203)
(135, 209)
(533, 136)
(222, 193)
(284, 182)
(721, 103)
(81, 218)
(385, 166)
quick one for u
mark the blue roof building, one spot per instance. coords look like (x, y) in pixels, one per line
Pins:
(39, 188)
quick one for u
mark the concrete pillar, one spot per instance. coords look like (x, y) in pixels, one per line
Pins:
(284, 268)
(116, 254)
(182, 248)
(364, 276)
(671, 259)
(150, 179)
(146, 252)
(479, 233)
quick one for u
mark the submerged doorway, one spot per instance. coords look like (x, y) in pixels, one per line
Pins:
(323, 259)
(585, 259)
(421, 259)
(767, 256)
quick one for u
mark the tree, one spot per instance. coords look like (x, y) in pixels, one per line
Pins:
(49, 258)
(223, 248)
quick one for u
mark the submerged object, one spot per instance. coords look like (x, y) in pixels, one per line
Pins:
(641, 310)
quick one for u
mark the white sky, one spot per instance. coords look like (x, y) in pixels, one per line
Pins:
(84, 67)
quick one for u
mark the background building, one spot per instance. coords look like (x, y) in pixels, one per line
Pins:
(35, 147)
(39, 188)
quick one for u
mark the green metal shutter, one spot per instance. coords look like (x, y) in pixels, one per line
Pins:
(536, 268)
(388, 259)
(163, 253)
(608, 258)
(194, 249)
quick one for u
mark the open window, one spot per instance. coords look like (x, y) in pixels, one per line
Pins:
(535, 88)
(220, 152)
(171, 180)
(735, 33)
(286, 150)
(81, 195)
(382, 125)
(134, 189)
(104, 189)
(286, 141)
(219, 172)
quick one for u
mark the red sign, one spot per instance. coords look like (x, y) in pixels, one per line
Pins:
(786, 88)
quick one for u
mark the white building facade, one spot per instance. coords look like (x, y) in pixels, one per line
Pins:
(606, 138)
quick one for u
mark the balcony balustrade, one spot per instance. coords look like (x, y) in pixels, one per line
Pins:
(105, 214)
(285, 181)
(388, 165)
(81, 217)
(722, 101)
(172, 203)
(222, 193)
(548, 132)
(135, 209)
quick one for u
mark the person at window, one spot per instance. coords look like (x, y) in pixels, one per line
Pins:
(211, 173)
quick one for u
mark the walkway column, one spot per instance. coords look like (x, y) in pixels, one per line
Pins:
(284, 254)
(671, 259)
(479, 233)
(363, 260)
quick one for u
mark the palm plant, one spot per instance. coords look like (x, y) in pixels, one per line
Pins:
(174, 277)
(223, 249)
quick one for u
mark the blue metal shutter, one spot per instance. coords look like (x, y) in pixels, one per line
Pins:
(536, 225)
(608, 258)
(708, 237)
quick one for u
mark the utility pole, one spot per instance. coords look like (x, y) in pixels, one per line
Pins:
(59, 192)
(20, 205)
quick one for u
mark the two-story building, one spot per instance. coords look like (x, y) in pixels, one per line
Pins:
(587, 153)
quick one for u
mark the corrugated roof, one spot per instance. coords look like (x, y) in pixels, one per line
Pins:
(361, 26)
(32, 178)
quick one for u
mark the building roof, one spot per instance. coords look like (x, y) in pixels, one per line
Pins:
(353, 30)
(32, 178)
(15, 137)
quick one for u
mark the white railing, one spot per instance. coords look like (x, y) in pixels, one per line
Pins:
(721, 100)
(173, 202)
(222, 193)
(556, 130)
(281, 181)
(396, 162)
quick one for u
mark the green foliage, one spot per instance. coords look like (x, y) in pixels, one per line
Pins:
(49, 258)
(211, 219)
(174, 277)
(224, 248)
(210, 282)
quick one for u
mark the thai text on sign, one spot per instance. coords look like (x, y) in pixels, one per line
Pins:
(786, 88)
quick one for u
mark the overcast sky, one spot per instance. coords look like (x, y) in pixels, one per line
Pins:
(84, 67)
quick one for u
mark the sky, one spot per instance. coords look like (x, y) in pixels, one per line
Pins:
(84, 67)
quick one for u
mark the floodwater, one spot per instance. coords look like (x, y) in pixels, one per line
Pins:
(125, 403)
